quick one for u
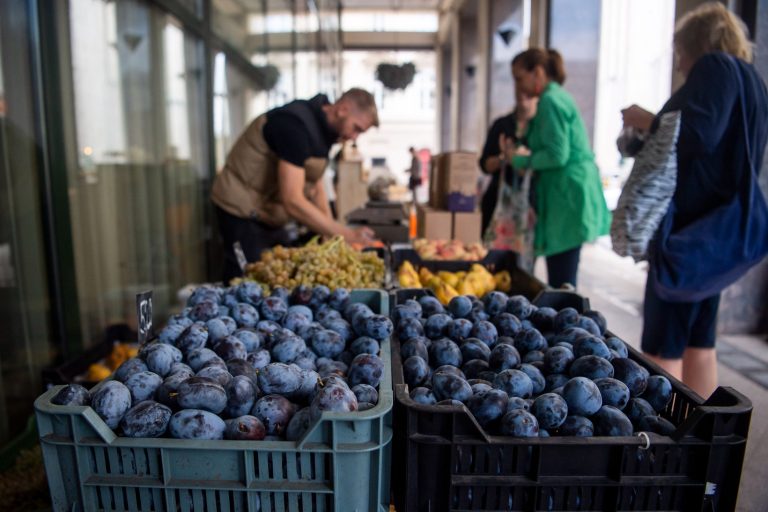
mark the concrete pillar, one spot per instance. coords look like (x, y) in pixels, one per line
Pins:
(481, 73)
(744, 305)
(469, 107)
(455, 99)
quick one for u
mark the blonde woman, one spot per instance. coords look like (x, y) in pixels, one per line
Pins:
(724, 118)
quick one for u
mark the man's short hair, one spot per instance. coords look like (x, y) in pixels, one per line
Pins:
(364, 101)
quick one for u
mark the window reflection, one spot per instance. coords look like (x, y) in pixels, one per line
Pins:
(136, 198)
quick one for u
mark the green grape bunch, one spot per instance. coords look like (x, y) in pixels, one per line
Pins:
(333, 263)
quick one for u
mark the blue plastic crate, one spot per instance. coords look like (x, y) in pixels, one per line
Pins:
(341, 464)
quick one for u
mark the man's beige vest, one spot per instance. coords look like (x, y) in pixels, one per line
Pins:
(247, 186)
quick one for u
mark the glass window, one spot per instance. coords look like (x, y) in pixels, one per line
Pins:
(25, 337)
(235, 104)
(238, 22)
(137, 196)
(365, 20)
(575, 33)
(408, 117)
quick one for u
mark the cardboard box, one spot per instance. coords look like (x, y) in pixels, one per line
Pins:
(352, 187)
(454, 186)
(433, 224)
(466, 226)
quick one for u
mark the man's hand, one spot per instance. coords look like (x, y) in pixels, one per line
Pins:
(637, 117)
(359, 235)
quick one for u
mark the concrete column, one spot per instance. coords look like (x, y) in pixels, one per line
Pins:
(539, 36)
(469, 107)
(455, 99)
(744, 305)
(481, 73)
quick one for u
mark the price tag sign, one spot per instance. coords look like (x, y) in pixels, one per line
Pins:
(144, 314)
(240, 255)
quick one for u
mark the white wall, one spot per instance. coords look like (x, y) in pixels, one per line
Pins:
(635, 66)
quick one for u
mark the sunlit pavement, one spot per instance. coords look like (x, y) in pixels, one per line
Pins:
(615, 287)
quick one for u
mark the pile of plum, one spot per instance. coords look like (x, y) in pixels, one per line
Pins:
(527, 371)
(236, 364)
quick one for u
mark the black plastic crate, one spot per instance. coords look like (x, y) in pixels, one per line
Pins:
(496, 260)
(447, 462)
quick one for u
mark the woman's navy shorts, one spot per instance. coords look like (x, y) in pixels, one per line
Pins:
(671, 327)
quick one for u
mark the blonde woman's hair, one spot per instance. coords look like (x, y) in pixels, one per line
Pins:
(711, 27)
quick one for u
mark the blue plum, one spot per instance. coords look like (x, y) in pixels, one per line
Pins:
(631, 374)
(279, 378)
(408, 328)
(591, 367)
(111, 401)
(275, 412)
(415, 371)
(423, 396)
(146, 419)
(550, 410)
(365, 393)
(473, 348)
(613, 391)
(333, 398)
(514, 383)
(503, 357)
(437, 326)
(519, 423)
(366, 369)
(241, 395)
(299, 424)
(460, 306)
(583, 396)
(327, 343)
(609, 421)
(72, 394)
(444, 351)
(448, 386)
(364, 345)
(378, 327)
(202, 393)
(488, 406)
(244, 428)
(129, 367)
(657, 424)
(519, 306)
(142, 385)
(658, 392)
(273, 308)
(160, 357)
(565, 318)
(196, 424)
(578, 426)
(485, 331)
(197, 358)
(537, 378)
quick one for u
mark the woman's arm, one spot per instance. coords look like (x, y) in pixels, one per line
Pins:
(552, 128)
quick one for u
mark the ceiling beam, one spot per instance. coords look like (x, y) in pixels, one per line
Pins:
(388, 40)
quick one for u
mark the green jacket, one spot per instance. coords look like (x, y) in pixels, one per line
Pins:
(570, 206)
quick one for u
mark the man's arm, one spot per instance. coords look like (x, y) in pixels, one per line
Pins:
(320, 199)
(291, 186)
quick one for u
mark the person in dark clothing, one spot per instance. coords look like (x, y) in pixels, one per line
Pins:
(272, 174)
(713, 53)
(504, 134)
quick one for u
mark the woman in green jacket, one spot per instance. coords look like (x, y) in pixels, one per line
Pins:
(570, 205)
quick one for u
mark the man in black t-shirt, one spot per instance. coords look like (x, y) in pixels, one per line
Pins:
(273, 174)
